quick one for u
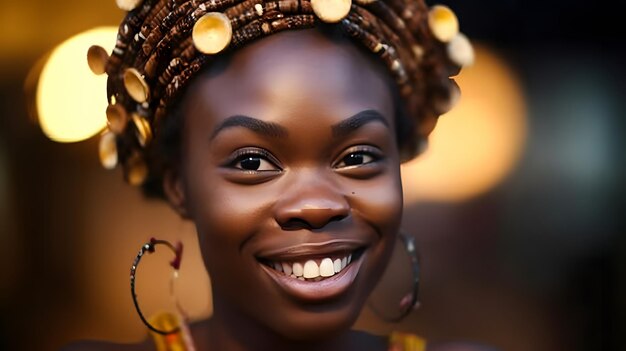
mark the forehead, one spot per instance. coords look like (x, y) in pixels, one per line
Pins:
(286, 73)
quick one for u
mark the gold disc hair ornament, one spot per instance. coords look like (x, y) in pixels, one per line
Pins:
(136, 169)
(443, 23)
(117, 118)
(144, 132)
(107, 150)
(461, 51)
(212, 33)
(97, 58)
(163, 44)
(128, 5)
(331, 11)
(136, 85)
(150, 247)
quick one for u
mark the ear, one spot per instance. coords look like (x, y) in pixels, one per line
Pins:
(175, 194)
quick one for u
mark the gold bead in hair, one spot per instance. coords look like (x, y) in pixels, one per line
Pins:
(107, 150)
(136, 170)
(212, 33)
(128, 5)
(460, 50)
(142, 127)
(117, 118)
(97, 58)
(136, 85)
(443, 23)
(331, 11)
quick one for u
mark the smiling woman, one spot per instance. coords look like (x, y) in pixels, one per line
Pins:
(284, 152)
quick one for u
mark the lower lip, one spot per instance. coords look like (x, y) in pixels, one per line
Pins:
(316, 291)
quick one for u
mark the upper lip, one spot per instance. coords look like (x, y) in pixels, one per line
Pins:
(312, 249)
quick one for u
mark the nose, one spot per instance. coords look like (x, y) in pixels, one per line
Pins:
(311, 205)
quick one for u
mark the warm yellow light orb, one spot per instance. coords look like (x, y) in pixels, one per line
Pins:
(475, 145)
(71, 100)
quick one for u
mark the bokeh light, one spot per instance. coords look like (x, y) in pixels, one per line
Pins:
(71, 100)
(475, 145)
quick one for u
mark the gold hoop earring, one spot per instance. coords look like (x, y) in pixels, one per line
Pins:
(409, 301)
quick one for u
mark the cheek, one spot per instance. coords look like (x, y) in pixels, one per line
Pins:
(379, 203)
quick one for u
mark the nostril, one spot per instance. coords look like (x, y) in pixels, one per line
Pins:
(337, 218)
(295, 224)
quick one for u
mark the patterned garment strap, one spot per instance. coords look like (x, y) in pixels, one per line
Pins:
(406, 342)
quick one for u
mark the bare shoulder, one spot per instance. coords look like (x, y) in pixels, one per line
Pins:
(107, 346)
(460, 346)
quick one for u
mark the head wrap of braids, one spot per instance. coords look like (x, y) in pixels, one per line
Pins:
(163, 44)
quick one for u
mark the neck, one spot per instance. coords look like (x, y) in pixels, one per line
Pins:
(231, 330)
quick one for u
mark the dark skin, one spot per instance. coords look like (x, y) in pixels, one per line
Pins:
(320, 165)
(289, 148)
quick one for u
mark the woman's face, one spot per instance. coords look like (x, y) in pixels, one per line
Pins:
(289, 161)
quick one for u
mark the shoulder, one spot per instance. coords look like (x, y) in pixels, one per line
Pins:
(459, 346)
(107, 346)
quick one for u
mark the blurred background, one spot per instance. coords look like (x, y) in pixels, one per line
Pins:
(517, 205)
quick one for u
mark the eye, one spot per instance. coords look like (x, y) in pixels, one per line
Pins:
(255, 163)
(358, 157)
(253, 160)
(355, 159)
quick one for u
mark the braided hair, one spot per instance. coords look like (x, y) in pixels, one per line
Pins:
(163, 44)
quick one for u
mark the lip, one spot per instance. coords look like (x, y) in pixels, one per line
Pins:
(308, 250)
(311, 291)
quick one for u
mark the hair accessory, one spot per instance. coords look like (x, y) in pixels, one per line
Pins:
(443, 23)
(136, 85)
(128, 5)
(460, 50)
(144, 132)
(150, 247)
(97, 58)
(107, 149)
(163, 44)
(212, 33)
(117, 118)
(136, 169)
(331, 11)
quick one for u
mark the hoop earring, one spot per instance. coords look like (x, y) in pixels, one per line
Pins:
(410, 301)
(150, 247)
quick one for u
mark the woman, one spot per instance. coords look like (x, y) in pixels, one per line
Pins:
(284, 152)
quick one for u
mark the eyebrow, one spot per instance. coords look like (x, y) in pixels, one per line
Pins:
(350, 125)
(269, 129)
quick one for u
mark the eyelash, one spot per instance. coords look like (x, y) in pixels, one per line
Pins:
(264, 155)
(370, 151)
(242, 154)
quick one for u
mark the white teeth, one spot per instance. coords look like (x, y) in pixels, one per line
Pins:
(278, 267)
(287, 268)
(326, 268)
(298, 270)
(337, 266)
(311, 269)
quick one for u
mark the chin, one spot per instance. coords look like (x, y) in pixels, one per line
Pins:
(318, 323)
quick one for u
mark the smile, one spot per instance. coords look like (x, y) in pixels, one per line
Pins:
(313, 269)
(315, 276)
